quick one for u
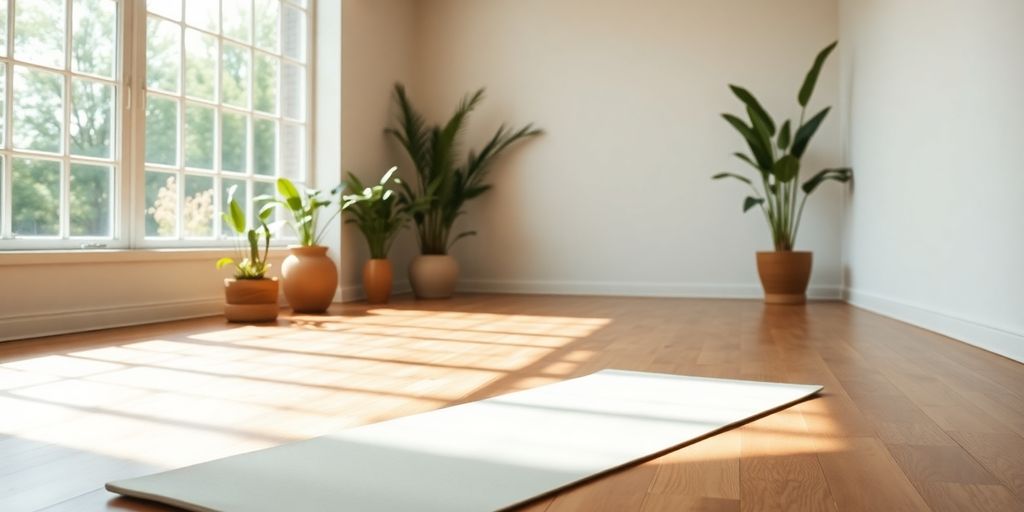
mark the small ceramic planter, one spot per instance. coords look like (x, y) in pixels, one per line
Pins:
(784, 276)
(251, 300)
(309, 278)
(433, 276)
(377, 278)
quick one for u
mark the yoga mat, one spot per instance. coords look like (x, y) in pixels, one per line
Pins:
(479, 456)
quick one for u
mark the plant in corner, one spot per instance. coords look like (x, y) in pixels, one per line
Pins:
(250, 296)
(776, 153)
(444, 185)
(380, 216)
(309, 277)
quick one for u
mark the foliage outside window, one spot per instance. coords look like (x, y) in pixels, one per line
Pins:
(223, 86)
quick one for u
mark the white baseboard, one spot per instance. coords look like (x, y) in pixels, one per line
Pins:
(1002, 342)
(625, 289)
(91, 319)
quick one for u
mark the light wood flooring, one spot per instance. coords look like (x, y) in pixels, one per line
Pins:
(909, 420)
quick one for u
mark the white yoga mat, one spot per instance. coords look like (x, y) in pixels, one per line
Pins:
(480, 456)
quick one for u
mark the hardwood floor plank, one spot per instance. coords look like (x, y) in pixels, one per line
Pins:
(863, 476)
(919, 421)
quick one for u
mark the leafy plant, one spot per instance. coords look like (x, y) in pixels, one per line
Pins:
(376, 211)
(304, 207)
(776, 153)
(443, 186)
(251, 264)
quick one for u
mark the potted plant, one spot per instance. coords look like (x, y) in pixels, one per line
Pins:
(776, 154)
(250, 296)
(443, 186)
(378, 214)
(309, 277)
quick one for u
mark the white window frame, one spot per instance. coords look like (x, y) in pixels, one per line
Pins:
(128, 211)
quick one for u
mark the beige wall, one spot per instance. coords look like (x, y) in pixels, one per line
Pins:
(377, 50)
(933, 100)
(617, 197)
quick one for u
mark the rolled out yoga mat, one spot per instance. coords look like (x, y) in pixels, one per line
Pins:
(479, 456)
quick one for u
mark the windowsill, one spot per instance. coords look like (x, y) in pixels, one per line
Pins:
(79, 256)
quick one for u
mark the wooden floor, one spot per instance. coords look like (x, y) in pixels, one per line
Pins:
(909, 420)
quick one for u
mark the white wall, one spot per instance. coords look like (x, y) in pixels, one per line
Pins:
(933, 100)
(377, 45)
(617, 197)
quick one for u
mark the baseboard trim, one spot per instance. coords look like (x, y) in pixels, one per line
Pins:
(626, 289)
(92, 319)
(998, 341)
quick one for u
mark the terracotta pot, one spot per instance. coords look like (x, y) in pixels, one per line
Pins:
(377, 278)
(250, 300)
(433, 276)
(784, 276)
(309, 278)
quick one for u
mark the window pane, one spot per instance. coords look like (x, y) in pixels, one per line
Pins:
(235, 76)
(293, 33)
(293, 152)
(35, 197)
(38, 110)
(264, 146)
(161, 204)
(200, 65)
(3, 29)
(3, 104)
(234, 142)
(239, 23)
(92, 118)
(264, 188)
(163, 54)
(166, 8)
(91, 187)
(264, 94)
(161, 131)
(204, 14)
(267, 13)
(240, 196)
(39, 32)
(94, 43)
(293, 91)
(198, 207)
(199, 136)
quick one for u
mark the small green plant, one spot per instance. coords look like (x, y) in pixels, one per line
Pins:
(304, 208)
(778, 161)
(445, 185)
(376, 211)
(250, 263)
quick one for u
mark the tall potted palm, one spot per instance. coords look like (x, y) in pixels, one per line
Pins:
(775, 154)
(443, 186)
(309, 277)
(380, 216)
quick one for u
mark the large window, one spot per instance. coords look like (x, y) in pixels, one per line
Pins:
(125, 123)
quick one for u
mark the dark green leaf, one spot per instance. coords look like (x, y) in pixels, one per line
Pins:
(804, 134)
(786, 168)
(841, 175)
(721, 175)
(812, 76)
(784, 136)
(761, 153)
(751, 202)
(757, 112)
